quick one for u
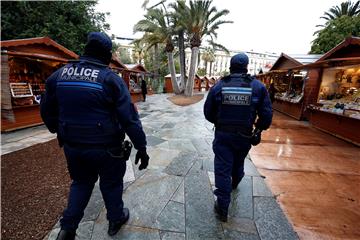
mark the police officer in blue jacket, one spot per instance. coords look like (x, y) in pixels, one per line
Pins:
(90, 109)
(236, 104)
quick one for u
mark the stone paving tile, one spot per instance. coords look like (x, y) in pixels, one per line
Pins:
(243, 225)
(271, 221)
(172, 236)
(22, 134)
(181, 164)
(168, 125)
(260, 188)
(142, 115)
(153, 141)
(179, 195)
(147, 197)
(241, 205)
(172, 218)
(250, 168)
(84, 232)
(235, 235)
(199, 208)
(202, 147)
(129, 174)
(208, 162)
(11, 147)
(156, 125)
(94, 206)
(211, 176)
(161, 156)
(126, 232)
(184, 145)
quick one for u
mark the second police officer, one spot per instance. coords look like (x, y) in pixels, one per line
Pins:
(240, 108)
(90, 109)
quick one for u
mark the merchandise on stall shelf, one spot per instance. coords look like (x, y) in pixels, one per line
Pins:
(134, 87)
(20, 90)
(290, 96)
(340, 91)
(290, 86)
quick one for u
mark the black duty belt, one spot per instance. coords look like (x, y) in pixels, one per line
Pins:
(93, 145)
(244, 132)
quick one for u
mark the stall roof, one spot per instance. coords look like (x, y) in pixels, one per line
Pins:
(37, 47)
(350, 47)
(285, 62)
(117, 64)
(136, 67)
(169, 75)
(306, 58)
(345, 53)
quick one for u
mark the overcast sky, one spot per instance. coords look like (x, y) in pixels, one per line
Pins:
(260, 25)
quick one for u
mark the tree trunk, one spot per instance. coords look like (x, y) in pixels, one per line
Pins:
(193, 67)
(182, 60)
(211, 63)
(199, 58)
(156, 65)
(174, 82)
(206, 63)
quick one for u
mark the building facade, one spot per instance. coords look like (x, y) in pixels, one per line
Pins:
(258, 61)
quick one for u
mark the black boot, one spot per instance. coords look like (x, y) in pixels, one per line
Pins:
(114, 227)
(66, 235)
(221, 214)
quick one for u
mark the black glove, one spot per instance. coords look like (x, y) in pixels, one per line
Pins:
(141, 154)
(256, 137)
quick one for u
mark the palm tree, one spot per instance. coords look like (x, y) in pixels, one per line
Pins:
(346, 8)
(208, 56)
(159, 32)
(176, 17)
(199, 20)
(139, 51)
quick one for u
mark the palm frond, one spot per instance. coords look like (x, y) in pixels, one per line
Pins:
(218, 46)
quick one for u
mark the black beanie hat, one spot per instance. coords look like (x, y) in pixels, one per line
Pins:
(239, 63)
(99, 46)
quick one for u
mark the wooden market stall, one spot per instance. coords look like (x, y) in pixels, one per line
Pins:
(335, 106)
(211, 82)
(133, 74)
(118, 67)
(168, 85)
(290, 78)
(205, 83)
(198, 83)
(25, 65)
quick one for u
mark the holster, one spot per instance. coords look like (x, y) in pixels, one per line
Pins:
(122, 152)
(256, 137)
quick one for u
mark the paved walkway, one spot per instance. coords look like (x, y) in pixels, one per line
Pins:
(173, 198)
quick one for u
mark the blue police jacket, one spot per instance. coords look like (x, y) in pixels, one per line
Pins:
(87, 103)
(239, 100)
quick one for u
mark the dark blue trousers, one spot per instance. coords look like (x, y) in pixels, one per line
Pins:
(230, 151)
(85, 166)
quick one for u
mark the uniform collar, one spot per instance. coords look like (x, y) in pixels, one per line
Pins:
(90, 59)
